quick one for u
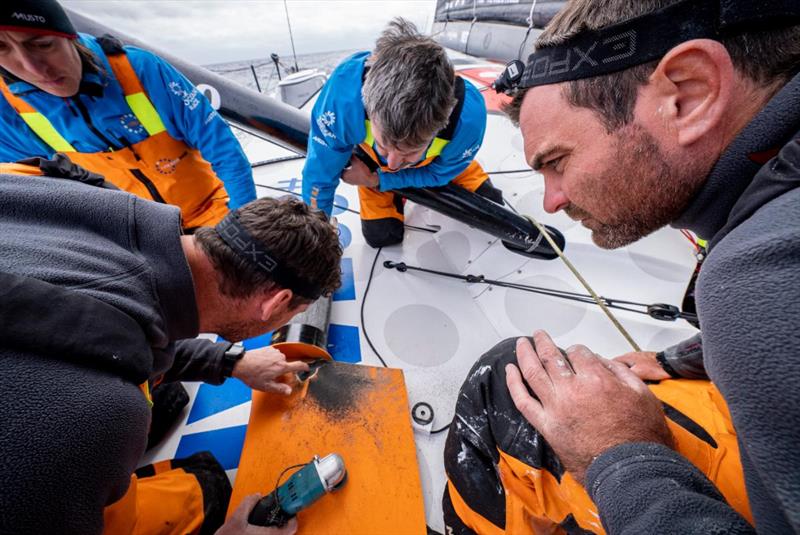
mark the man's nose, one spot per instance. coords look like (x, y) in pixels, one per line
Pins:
(33, 65)
(394, 160)
(554, 197)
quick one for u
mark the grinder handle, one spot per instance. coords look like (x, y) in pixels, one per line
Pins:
(267, 512)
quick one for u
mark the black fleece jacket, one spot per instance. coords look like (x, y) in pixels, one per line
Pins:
(748, 298)
(97, 297)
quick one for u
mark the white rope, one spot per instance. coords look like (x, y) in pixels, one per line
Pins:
(530, 15)
(600, 303)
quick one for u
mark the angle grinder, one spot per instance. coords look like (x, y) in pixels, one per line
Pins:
(303, 488)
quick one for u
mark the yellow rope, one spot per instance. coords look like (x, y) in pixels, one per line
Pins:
(574, 271)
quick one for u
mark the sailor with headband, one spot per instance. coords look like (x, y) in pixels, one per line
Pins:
(103, 297)
(641, 114)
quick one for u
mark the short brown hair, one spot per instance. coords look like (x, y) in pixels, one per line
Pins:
(302, 239)
(768, 58)
(410, 87)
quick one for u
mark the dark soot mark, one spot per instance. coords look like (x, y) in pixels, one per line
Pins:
(336, 388)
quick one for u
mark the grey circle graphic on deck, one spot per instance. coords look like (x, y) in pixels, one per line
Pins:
(421, 335)
(449, 251)
(531, 203)
(529, 312)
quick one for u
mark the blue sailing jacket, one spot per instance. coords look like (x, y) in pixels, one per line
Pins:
(185, 112)
(337, 126)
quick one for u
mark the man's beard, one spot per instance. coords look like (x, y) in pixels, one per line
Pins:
(655, 192)
(236, 331)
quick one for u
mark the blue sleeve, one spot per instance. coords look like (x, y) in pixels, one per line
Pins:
(188, 116)
(648, 488)
(17, 141)
(455, 157)
(337, 123)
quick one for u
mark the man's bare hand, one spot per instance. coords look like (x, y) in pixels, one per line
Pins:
(585, 404)
(237, 524)
(358, 174)
(644, 365)
(263, 368)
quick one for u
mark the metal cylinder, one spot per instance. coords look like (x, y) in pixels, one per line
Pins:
(309, 327)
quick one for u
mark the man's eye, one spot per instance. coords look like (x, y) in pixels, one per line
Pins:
(552, 164)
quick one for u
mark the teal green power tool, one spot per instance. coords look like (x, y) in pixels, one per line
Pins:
(303, 488)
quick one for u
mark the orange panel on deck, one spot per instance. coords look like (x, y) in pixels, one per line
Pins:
(359, 412)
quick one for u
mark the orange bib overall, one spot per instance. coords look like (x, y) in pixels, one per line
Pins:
(160, 167)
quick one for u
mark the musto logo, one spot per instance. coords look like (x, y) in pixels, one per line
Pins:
(28, 17)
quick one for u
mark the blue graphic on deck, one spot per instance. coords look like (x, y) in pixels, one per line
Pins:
(226, 445)
(343, 343)
(347, 291)
(345, 236)
(258, 341)
(340, 204)
(212, 399)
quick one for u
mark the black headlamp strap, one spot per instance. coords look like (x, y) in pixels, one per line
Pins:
(624, 45)
(237, 238)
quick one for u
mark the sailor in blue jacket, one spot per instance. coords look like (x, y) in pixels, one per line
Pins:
(128, 109)
(397, 117)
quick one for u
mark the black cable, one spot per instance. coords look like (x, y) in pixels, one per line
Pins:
(277, 160)
(366, 335)
(278, 482)
(509, 172)
(364, 301)
(657, 310)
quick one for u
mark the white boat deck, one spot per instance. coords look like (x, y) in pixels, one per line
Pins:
(435, 328)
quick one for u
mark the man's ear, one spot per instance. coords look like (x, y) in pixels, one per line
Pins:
(692, 88)
(274, 302)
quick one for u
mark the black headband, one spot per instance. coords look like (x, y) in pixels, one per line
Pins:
(648, 37)
(237, 238)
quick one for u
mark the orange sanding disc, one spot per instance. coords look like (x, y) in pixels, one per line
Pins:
(299, 350)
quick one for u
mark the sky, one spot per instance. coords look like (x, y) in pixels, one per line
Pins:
(217, 31)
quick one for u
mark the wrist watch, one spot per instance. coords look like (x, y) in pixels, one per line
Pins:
(229, 359)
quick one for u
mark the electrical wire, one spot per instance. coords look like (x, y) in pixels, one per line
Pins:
(364, 326)
(364, 302)
(278, 482)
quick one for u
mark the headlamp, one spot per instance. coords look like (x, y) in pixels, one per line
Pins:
(643, 39)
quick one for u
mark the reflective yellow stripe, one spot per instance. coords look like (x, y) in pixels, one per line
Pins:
(143, 109)
(702, 243)
(43, 128)
(436, 147)
(369, 139)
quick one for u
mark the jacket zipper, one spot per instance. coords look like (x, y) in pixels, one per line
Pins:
(90, 125)
(154, 193)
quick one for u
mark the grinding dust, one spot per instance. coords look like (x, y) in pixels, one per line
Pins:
(338, 388)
